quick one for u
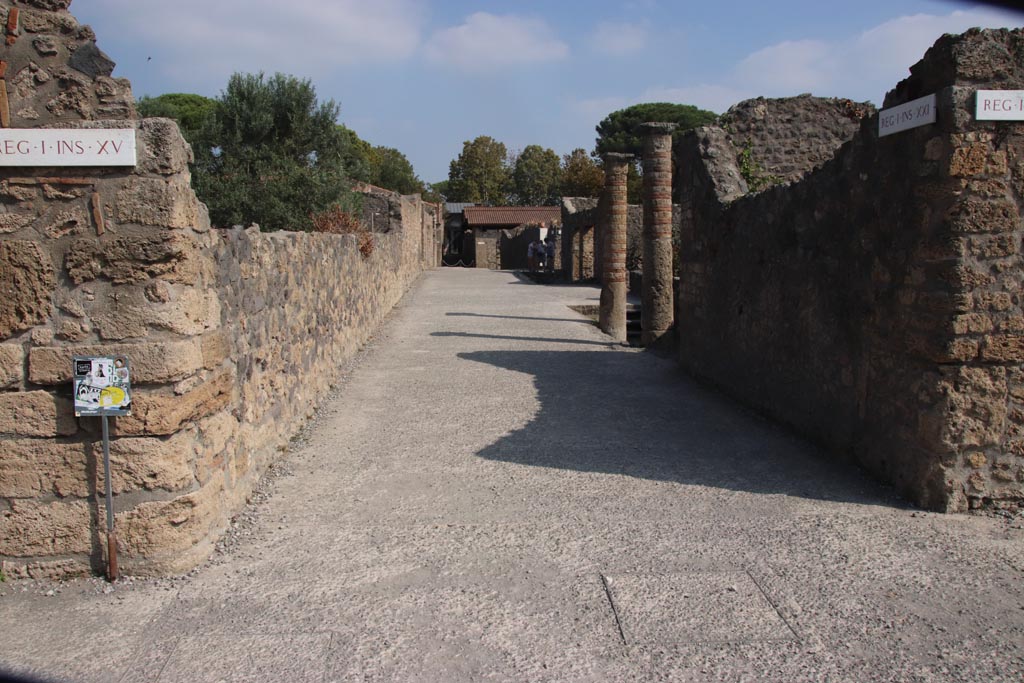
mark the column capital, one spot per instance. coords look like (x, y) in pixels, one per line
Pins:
(612, 158)
(656, 128)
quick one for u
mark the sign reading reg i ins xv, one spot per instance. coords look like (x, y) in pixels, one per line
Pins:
(67, 147)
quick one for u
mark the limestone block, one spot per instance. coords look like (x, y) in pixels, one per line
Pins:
(169, 413)
(171, 255)
(27, 282)
(39, 467)
(216, 347)
(147, 463)
(36, 413)
(156, 201)
(30, 528)
(12, 365)
(174, 525)
(161, 148)
(152, 362)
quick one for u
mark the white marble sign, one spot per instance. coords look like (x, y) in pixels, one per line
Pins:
(67, 147)
(919, 112)
(1000, 105)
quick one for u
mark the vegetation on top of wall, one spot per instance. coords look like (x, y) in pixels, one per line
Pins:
(337, 221)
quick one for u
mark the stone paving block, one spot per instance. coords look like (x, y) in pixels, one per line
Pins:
(694, 607)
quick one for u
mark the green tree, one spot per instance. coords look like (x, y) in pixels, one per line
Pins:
(581, 175)
(193, 113)
(391, 170)
(355, 155)
(617, 132)
(537, 176)
(440, 191)
(278, 155)
(479, 174)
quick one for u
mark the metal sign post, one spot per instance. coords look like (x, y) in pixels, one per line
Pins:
(102, 387)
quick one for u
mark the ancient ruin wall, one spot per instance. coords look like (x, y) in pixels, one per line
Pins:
(787, 137)
(876, 305)
(233, 336)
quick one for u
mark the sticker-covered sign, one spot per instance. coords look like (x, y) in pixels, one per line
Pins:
(102, 385)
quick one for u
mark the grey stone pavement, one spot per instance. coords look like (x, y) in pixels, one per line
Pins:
(494, 493)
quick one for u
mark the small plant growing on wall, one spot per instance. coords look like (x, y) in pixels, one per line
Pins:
(756, 177)
(337, 221)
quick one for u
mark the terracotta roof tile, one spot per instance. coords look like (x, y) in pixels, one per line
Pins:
(511, 215)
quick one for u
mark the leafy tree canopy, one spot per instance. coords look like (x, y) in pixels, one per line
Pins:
(537, 176)
(581, 175)
(277, 154)
(617, 131)
(479, 174)
(193, 113)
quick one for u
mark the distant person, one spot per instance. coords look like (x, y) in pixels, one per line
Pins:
(549, 252)
(531, 255)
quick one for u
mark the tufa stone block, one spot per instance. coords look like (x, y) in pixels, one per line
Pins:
(169, 203)
(36, 413)
(147, 464)
(27, 282)
(12, 365)
(175, 525)
(35, 467)
(171, 255)
(169, 413)
(151, 363)
(1005, 348)
(30, 528)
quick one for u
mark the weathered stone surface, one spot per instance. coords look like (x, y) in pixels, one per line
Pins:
(166, 527)
(155, 201)
(35, 467)
(91, 61)
(152, 362)
(36, 413)
(171, 255)
(147, 464)
(32, 529)
(168, 413)
(131, 314)
(12, 365)
(1007, 348)
(27, 282)
(161, 148)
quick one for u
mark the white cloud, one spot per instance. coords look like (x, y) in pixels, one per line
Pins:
(618, 39)
(802, 65)
(863, 66)
(485, 42)
(204, 40)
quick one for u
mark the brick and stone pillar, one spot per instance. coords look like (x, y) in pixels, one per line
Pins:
(613, 272)
(658, 300)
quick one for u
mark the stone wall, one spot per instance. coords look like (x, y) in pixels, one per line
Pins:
(233, 337)
(789, 136)
(876, 304)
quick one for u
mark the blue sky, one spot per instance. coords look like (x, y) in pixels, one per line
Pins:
(426, 75)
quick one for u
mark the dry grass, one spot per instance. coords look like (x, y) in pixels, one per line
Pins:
(337, 221)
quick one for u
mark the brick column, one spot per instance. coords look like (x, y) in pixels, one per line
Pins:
(613, 254)
(658, 300)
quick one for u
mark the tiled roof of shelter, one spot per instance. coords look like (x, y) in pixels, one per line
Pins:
(512, 215)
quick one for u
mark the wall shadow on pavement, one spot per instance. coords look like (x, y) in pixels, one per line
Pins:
(622, 412)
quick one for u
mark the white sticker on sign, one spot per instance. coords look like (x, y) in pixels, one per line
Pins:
(919, 112)
(67, 147)
(1000, 105)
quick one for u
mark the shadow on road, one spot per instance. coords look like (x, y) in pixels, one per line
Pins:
(630, 413)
